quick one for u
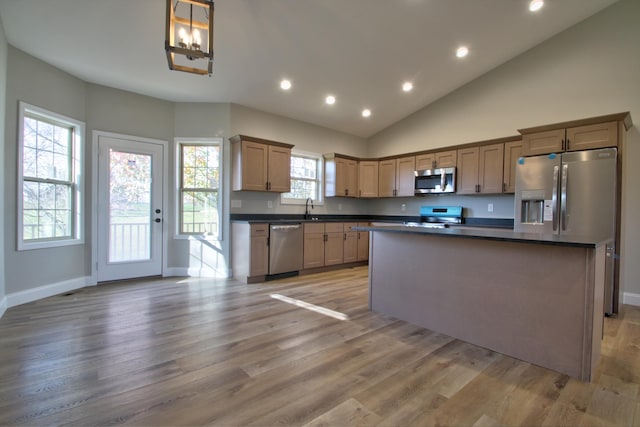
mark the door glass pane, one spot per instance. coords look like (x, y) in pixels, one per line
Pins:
(129, 207)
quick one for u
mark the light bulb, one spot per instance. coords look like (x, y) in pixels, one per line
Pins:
(285, 84)
(462, 51)
(182, 34)
(366, 113)
(330, 100)
(407, 86)
(536, 5)
(196, 39)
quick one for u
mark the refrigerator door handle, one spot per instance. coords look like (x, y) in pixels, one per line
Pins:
(563, 196)
(554, 197)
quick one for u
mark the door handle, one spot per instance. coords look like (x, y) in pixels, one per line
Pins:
(554, 198)
(563, 195)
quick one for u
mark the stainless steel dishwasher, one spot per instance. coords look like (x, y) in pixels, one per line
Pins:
(285, 248)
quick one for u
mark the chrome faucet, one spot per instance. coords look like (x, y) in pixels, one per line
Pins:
(307, 212)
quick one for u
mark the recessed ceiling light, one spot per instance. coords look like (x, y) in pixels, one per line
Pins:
(536, 5)
(462, 51)
(285, 84)
(366, 112)
(407, 86)
(330, 99)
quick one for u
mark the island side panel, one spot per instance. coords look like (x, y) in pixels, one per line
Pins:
(525, 300)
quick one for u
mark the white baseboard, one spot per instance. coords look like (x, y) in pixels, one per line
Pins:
(631, 299)
(3, 306)
(45, 291)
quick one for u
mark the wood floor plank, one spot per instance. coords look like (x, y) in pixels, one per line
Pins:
(196, 351)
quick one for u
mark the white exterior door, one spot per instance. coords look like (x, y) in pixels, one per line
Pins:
(130, 208)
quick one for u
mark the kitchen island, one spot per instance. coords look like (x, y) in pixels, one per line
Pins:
(538, 298)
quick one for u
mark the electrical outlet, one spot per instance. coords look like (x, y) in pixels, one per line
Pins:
(339, 206)
(403, 207)
(270, 204)
(490, 207)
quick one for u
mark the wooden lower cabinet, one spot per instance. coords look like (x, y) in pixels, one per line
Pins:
(251, 239)
(363, 243)
(334, 243)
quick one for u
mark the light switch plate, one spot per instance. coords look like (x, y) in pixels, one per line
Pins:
(490, 207)
(269, 204)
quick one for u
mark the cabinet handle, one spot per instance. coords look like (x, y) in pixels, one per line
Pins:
(345, 237)
(504, 187)
(567, 147)
(434, 164)
(346, 191)
(324, 237)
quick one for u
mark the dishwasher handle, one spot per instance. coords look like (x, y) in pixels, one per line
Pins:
(286, 227)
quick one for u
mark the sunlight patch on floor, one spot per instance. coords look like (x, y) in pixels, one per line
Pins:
(311, 307)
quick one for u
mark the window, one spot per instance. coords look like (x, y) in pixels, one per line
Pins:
(199, 184)
(306, 179)
(49, 179)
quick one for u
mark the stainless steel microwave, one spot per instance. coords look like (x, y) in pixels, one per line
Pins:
(430, 181)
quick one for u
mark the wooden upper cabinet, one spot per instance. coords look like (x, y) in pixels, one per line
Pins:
(551, 141)
(405, 176)
(341, 176)
(440, 159)
(597, 132)
(368, 178)
(512, 152)
(599, 135)
(490, 169)
(260, 164)
(387, 178)
(480, 169)
(467, 179)
(396, 177)
(279, 169)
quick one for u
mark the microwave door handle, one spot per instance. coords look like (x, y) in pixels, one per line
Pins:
(563, 195)
(443, 180)
(554, 198)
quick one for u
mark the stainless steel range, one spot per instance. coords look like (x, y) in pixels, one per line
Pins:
(437, 217)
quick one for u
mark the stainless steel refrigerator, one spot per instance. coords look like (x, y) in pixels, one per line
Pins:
(571, 194)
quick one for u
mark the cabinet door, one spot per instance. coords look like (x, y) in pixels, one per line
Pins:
(333, 248)
(279, 169)
(352, 178)
(368, 179)
(534, 144)
(363, 243)
(259, 256)
(600, 135)
(350, 246)
(405, 176)
(512, 152)
(313, 251)
(490, 168)
(426, 161)
(387, 178)
(254, 175)
(467, 171)
(446, 159)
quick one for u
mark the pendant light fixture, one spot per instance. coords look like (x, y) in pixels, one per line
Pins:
(189, 36)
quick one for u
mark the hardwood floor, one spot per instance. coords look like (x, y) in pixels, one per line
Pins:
(200, 351)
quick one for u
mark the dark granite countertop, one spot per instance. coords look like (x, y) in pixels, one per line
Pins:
(493, 234)
(504, 223)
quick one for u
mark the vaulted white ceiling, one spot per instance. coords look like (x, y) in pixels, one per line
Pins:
(359, 50)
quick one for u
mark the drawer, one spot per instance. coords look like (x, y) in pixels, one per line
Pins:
(333, 227)
(313, 227)
(348, 226)
(259, 229)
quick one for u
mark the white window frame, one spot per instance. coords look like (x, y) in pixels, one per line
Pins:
(179, 142)
(319, 178)
(77, 178)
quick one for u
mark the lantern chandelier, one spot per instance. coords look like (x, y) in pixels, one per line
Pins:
(189, 36)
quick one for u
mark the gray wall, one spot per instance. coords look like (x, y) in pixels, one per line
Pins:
(589, 70)
(3, 142)
(37, 83)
